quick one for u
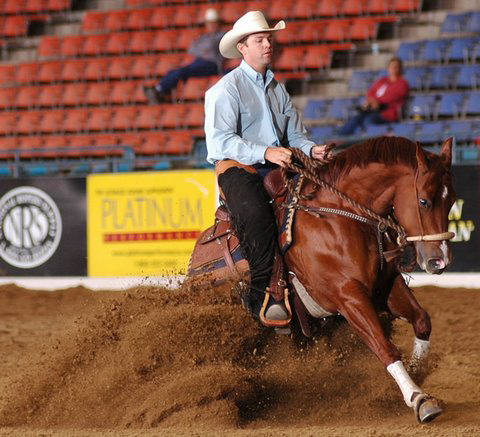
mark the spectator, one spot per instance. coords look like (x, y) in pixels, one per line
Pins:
(208, 60)
(384, 100)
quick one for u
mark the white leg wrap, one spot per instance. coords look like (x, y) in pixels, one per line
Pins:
(420, 350)
(405, 383)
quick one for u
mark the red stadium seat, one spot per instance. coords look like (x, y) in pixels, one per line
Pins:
(15, 26)
(94, 21)
(74, 70)
(167, 62)
(124, 118)
(97, 69)
(7, 74)
(337, 30)
(52, 144)
(13, 6)
(364, 29)
(149, 116)
(317, 57)
(74, 94)
(27, 97)
(98, 93)
(154, 144)
(51, 95)
(50, 46)
(139, 19)
(117, 20)
(58, 5)
(144, 66)
(123, 92)
(290, 58)
(8, 121)
(354, 7)
(118, 43)
(120, 68)
(232, 11)
(106, 139)
(142, 41)
(379, 6)
(303, 8)
(7, 97)
(186, 37)
(330, 8)
(35, 6)
(162, 17)
(185, 15)
(77, 145)
(50, 71)
(100, 119)
(28, 143)
(75, 120)
(312, 32)
(27, 73)
(165, 40)
(195, 115)
(407, 5)
(130, 139)
(195, 88)
(73, 45)
(179, 142)
(52, 121)
(28, 122)
(280, 9)
(260, 5)
(174, 116)
(95, 44)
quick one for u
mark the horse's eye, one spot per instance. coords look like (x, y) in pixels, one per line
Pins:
(423, 202)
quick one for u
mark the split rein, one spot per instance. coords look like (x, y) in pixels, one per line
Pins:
(309, 171)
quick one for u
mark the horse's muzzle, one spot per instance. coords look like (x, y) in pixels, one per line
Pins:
(436, 266)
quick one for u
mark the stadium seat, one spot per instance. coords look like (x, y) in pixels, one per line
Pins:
(8, 121)
(52, 143)
(474, 22)
(337, 30)
(341, 109)
(364, 29)
(28, 143)
(149, 116)
(27, 73)
(407, 130)
(106, 139)
(409, 51)
(97, 69)
(174, 116)
(50, 46)
(468, 76)
(451, 105)
(144, 66)
(442, 76)
(431, 132)
(120, 68)
(166, 63)
(138, 93)
(52, 121)
(354, 7)
(94, 21)
(139, 19)
(58, 5)
(95, 44)
(50, 71)
(28, 122)
(165, 40)
(407, 5)
(78, 146)
(316, 109)
(331, 8)
(232, 11)
(186, 37)
(124, 118)
(290, 58)
(317, 57)
(7, 97)
(185, 15)
(416, 77)
(455, 22)
(8, 74)
(98, 93)
(377, 130)
(421, 106)
(473, 104)
(117, 20)
(130, 139)
(99, 119)
(280, 9)
(162, 17)
(123, 92)
(377, 6)
(322, 134)
(435, 50)
(72, 45)
(74, 70)
(27, 96)
(74, 94)
(260, 5)
(179, 142)
(195, 116)
(51, 95)
(303, 8)
(15, 26)
(12, 6)
(307, 32)
(75, 120)
(461, 49)
(194, 88)
(142, 41)
(461, 129)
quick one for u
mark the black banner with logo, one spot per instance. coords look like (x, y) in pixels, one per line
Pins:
(43, 227)
(465, 220)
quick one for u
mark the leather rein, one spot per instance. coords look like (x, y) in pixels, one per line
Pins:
(381, 224)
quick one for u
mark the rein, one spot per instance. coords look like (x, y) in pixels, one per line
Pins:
(382, 224)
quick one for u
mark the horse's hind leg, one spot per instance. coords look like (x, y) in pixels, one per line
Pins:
(403, 305)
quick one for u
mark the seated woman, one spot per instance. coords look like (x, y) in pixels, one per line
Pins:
(384, 100)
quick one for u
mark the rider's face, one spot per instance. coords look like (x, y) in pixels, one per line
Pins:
(257, 50)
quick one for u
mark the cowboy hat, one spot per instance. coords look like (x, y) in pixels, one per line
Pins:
(251, 22)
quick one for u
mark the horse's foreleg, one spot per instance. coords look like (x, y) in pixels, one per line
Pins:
(403, 305)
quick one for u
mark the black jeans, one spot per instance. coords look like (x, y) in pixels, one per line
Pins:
(255, 225)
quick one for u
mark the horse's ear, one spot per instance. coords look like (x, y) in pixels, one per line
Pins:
(421, 159)
(446, 152)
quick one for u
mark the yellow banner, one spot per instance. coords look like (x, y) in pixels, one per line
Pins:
(142, 224)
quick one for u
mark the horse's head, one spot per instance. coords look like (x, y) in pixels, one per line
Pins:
(422, 207)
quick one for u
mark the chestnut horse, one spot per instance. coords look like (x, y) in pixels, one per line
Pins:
(336, 260)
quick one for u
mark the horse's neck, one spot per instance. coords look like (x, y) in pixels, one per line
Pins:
(374, 185)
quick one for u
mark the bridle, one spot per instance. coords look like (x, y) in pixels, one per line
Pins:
(309, 171)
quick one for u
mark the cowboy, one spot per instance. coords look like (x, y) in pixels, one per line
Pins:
(250, 124)
(207, 62)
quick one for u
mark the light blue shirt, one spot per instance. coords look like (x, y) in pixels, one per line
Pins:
(244, 115)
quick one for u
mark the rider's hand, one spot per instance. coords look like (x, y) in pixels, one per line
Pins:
(321, 152)
(279, 155)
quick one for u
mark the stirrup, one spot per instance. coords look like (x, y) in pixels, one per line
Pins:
(275, 323)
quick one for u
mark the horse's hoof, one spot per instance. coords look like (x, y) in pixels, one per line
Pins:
(426, 408)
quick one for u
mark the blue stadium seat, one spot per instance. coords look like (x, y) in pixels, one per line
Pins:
(407, 130)
(473, 104)
(409, 51)
(321, 134)
(468, 76)
(455, 22)
(360, 80)
(341, 109)
(435, 50)
(380, 73)
(461, 129)
(377, 130)
(316, 109)
(461, 49)
(451, 104)
(421, 106)
(474, 22)
(442, 76)
(431, 132)
(416, 77)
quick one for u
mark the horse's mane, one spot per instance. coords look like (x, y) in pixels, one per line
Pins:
(386, 150)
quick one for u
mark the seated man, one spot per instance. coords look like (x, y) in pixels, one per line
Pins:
(384, 100)
(208, 60)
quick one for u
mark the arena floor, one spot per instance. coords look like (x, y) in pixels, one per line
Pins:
(153, 362)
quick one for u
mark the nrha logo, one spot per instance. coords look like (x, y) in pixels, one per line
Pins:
(30, 227)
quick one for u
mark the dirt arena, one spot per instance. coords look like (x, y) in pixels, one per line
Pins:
(154, 362)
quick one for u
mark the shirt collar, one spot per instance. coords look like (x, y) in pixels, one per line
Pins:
(255, 75)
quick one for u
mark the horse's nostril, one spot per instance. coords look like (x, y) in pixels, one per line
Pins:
(436, 264)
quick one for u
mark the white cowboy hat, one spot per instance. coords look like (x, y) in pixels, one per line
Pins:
(211, 15)
(251, 22)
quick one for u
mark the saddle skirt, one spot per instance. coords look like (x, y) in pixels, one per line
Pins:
(217, 251)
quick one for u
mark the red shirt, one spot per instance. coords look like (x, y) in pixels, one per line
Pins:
(391, 94)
